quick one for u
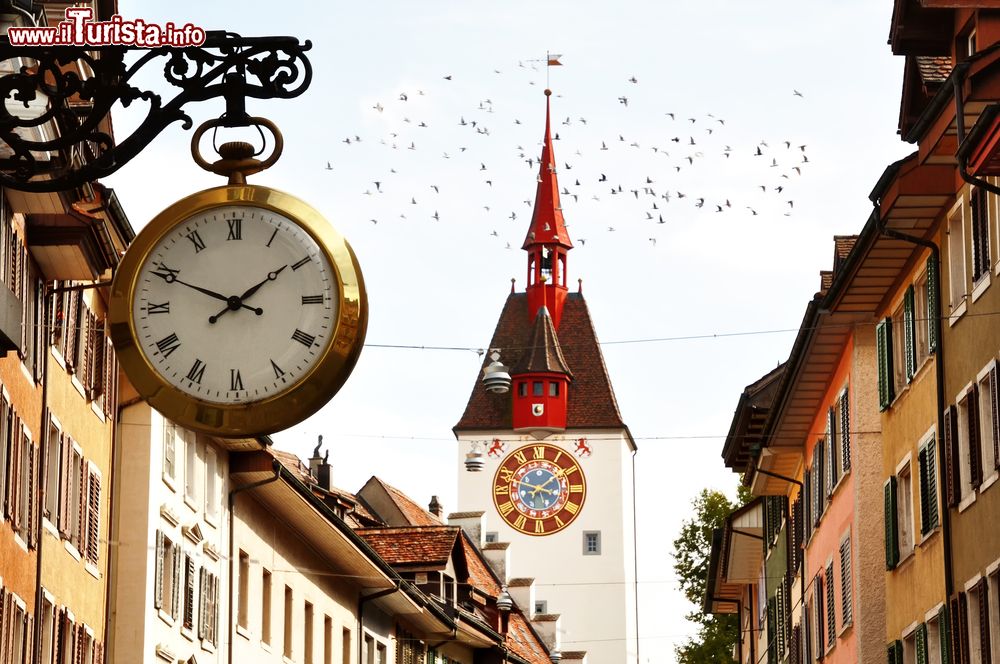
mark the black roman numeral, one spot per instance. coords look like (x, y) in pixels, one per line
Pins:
(278, 373)
(197, 371)
(168, 274)
(235, 229)
(168, 344)
(153, 308)
(312, 299)
(196, 240)
(303, 338)
(235, 380)
(302, 262)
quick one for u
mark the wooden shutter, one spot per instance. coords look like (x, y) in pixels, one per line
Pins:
(202, 602)
(995, 410)
(984, 620)
(110, 400)
(175, 603)
(772, 639)
(65, 484)
(932, 486)
(920, 643)
(89, 355)
(72, 330)
(81, 505)
(835, 460)
(909, 335)
(818, 596)
(891, 527)
(158, 589)
(831, 614)
(963, 627)
(93, 550)
(975, 451)
(845, 430)
(932, 304)
(188, 621)
(779, 624)
(33, 493)
(883, 343)
(944, 634)
(17, 476)
(846, 588)
(824, 485)
(951, 457)
(97, 374)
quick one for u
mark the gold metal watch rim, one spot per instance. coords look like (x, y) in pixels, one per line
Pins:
(276, 412)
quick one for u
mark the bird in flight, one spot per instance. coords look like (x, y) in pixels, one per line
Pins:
(633, 80)
(435, 216)
(797, 93)
(329, 166)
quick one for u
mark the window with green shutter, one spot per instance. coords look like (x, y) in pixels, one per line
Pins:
(944, 630)
(909, 335)
(932, 303)
(883, 343)
(891, 526)
(772, 646)
(928, 486)
(920, 643)
(895, 653)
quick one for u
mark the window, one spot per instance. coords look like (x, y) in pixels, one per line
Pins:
(842, 424)
(979, 207)
(53, 439)
(846, 583)
(909, 648)
(20, 640)
(265, 607)
(968, 450)
(168, 575)
(492, 537)
(899, 360)
(243, 606)
(591, 542)
(187, 621)
(883, 345)
(993, 619)
(988, 424)
(171, 436)
(831, 616)
(929, 636)
(345, 649)
(922, 319)
(956, 257)
(927, 462)
(904, 510)
(381, 654)
(288, 622)
(818, 622)
(191, 479)
(211, 484)
(369, 649)
(537, 388)
(522, 389)
(208, 612)
(307, 634)
(47, 627)
(5, 451)
(976, 599)
(327, 640)
(553, 389)
(831, 439)
(541, 606)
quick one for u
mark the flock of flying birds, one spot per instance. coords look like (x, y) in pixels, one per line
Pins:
(625, 177)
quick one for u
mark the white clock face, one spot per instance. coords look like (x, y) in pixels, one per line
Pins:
(235, 305)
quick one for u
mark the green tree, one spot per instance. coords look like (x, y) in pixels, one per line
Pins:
(717, 634)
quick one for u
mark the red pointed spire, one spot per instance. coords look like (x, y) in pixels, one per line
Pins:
(547, 225)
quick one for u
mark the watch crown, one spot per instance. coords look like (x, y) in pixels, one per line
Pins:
(236, 150)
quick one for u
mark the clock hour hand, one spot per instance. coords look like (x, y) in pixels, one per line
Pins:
(236, 301)
(271, 276)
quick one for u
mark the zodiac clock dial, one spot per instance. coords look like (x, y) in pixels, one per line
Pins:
(539, 489)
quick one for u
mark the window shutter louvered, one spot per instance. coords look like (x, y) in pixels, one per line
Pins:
(98, 373)
(771, 638)
(944, 634)
(963, 626)
(920, 643)
(995, 410)
(214, 613)
(891, 528)
(834, 456)
(909, 335)
(158, 591)
(806, 506)
(779, 625)
(924, 492)
(17, 476)
(795, 646)
(952, 482)
(81, 507)
(897, 652)
(883, 343)
(845, 430)
(823, 483)
(818, 597)
(975, 451)
(32, 506)
(984, 620)
(188, 592)
(831, 615)
(93, 517)
(846, 588)
(65, 482)
(98, 652)
(175, 600)
(932, 304)
(932, 485)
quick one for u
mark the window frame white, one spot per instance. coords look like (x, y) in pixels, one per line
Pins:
(904, 508)
(957, 273)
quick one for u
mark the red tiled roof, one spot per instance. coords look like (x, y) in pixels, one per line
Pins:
(543, 353)
(933, 68)
(294, 464)
(413, 513)
(523, 642)
(591, 399)
(412, 545)
(480, 576)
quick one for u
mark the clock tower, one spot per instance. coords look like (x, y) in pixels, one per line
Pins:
(556, 477)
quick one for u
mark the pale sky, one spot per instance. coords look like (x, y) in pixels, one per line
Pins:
(442, 283)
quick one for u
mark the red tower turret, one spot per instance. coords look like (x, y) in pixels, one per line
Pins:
(547, 240)
(541, 382)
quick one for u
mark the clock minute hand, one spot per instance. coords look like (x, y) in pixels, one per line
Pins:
(170, 277)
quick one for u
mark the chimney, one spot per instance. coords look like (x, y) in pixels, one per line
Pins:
(498, 557)
(522, 591)
(547, 627)
(319, 466)
(471, 523)
(435, 507)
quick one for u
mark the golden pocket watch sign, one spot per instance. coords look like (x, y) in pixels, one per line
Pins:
(238, 310)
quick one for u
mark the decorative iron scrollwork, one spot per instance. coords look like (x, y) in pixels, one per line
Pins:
(53, 129)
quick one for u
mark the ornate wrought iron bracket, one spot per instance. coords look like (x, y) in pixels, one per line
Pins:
(54, 125)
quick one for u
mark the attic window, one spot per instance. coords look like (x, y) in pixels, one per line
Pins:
(522, 389)
(537, 388)
(553, 389)
(492, 537)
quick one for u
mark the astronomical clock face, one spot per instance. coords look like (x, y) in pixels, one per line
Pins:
(539, 489)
